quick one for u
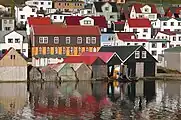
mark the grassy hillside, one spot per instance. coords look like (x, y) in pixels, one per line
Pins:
(8, 2)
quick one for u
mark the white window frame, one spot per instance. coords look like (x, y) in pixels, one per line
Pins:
(41, 40)
(88, 40)
(143, 55)
(45, 39)
(93, 40)
(67, 40)
(79, 40)
(137, 54)
(56, 40)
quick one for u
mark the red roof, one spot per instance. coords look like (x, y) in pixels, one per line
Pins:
(65, 30)
(168, 32)
(126, 35)
(170, 11)
(139, 23)
(39, 21)
(138, 7)
(105, 56)
(88, 60)
(75, 20)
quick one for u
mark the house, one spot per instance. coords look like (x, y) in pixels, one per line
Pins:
(165, 23)
(16, 39)
(34, 74)
(157, 47)
(7, 23)
(13, 66)
(139, 10)
(172, 58)
(36, 21)
(129, 38)
(137, 61)
(86, 11)
(87, 21)
(96, 64)
(22, 12)
(142, 27)
(40, 4)
(160, 11)
(41, 60)
(173, 12)
(49, 74)
(108, 39)
(64, 40)
(58, 16)
(68, 5)
(107, 9)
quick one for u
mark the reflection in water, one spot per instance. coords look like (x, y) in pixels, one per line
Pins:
(144, 100)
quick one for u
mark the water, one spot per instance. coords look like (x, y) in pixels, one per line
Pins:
(144, 100)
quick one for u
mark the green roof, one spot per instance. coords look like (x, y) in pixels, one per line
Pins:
(166, 18)
(175, 49)
(49, 56)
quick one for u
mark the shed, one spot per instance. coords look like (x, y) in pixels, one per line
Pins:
(65, 72)
(13, 66)
(49, 74)
(34, 74)
(172, 58)
(96, 64)
(138, 62)
(83, 72)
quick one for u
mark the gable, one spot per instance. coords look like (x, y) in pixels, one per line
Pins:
(14, 34)
(160, 34)
(87, 21)
(106, 7)
(146, 9)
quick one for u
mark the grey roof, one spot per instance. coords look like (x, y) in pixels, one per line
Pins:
(158, 40)
(166, 18)
(4, 33)
(160, 10)
(174, 49)
(98, 6)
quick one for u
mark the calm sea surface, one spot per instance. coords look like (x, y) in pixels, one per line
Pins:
(144, 100)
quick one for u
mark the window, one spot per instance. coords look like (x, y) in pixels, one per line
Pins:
(179, 38)
(106, 8)
(137, 54)
(12, 57)
(177, 45)
(18, 50)
(33, 10)
(49, 3)
(24, 50)
(17, 40)
(174, 38)
(134, 30)
(56, 50)
(112, 16)
(5, 21)
(7, 28)
(154, 45)
(136, 44)
(56, 40)
(145, 30)
(20, 9)
(179, 23)
(4, 51)
(79, 40)
(79, 50)
(31, 15)
(40, 50)
(128, 44)
(42, 3)
(87, 40)
(71, 50)
(146, 9)
(45, 39)
(164, 45)
(172, 23)
(48, 50)
(22, 17)
(143, 54)
(35, 3)
(63, 50)
(10, 40)
(162, 37)
(55, 17)
(67, 40)
(164, 23)
(154, 52)
(93, 40)
(144, 35)
(87, 22)
(40, 39)
(10, 21)
(171, 46)
(158, 37)
(61, 17)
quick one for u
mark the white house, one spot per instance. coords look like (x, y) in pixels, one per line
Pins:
(16, 39)
(143, 11)
(165, 23)
(58, 16)
(23, 12)
(142, 27)
(40, 4)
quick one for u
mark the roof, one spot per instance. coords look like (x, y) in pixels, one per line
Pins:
(75, 66)
(134, 40)
(75, 20)
(158, 40)
(105, 56)
(88, 60)
(174, 49)
(167, 32)
(39, 21)
(65, 30)
(125, 35)
(138, 7)
(98, 6)
(4, 33)
(139, 23)
(123, 51)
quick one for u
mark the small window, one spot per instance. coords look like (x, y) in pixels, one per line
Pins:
(174, 38)
(106, 8)
(31, 15)
(17, 40)
(20, 9)
(164, 45)
(10, 40)
(61, 17)
(179, 23)
(172, 23)
(179, 38)
(143, 44)
(164, 23)
(56, 40)
(112, 16)
(7, 28)
(12, 57)
(54, 17)
(49, 3)
(137, 54)
(22, 17)
(171, 46)
(128, 44)
(154, 52)
(79, 40)
(45, 39)
(144, 35)
(134, 30)
(93, 40)
(87, 40)
(24, 50)
(143, 54)
(56, 50)
(48, 50)
(67, 40)
(33, 10)
(136, 44)
(5, 21)
(145, 30)
(40, 39)
(42, 3)
(10, 21)
(154, 45)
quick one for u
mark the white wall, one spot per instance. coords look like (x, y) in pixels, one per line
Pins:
(82, 22)
(59, 17)
(160, 35)
(46, 4)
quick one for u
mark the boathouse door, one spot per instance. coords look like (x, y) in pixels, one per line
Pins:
(139, 69)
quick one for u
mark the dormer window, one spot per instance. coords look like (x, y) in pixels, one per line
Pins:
(146, 9)
(106, 8)
(87, 22)
(137, 54)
